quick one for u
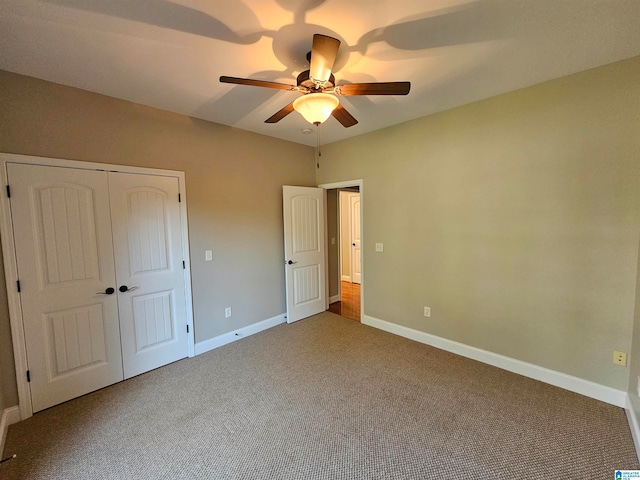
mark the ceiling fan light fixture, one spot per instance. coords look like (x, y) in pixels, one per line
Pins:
(316, 107)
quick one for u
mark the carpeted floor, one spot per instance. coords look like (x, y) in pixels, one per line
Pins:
(324, 398)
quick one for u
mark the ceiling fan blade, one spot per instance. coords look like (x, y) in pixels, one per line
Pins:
(280, 114)
(256, 83)
(378, 88)
(345, 118)
(323, 55)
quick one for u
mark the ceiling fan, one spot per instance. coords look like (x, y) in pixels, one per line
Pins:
(319, 89)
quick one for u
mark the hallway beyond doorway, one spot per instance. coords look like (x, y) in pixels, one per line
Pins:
(349, 304)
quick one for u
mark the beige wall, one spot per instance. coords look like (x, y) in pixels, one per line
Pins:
(516, 219)
(234, 188)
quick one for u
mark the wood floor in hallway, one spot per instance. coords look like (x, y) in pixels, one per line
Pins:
(349, 304)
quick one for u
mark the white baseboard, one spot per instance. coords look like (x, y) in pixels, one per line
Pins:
(346, 278)
(334, 299)
(552, 377)
(225, 338)
(10, 416)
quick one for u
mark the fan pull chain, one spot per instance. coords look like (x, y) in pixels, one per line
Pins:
(318, 152)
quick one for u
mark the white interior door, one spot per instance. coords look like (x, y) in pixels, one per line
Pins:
(63, 242)
(345, 236)
(304, 251)
(354, 215)
(149, 270)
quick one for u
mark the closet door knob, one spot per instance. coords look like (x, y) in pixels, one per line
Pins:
(124, 288)
(108, 291)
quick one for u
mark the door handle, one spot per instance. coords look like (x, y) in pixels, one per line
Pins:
(353, 244)
(108, 291)
(291, 262)
(124, 288)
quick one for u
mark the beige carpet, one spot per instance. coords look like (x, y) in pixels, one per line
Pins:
(324, 398)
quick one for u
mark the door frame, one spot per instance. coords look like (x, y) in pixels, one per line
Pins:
(346, 184)
(11, 269)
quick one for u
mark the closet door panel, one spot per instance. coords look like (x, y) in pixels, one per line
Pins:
(63, 239)
(149, 270)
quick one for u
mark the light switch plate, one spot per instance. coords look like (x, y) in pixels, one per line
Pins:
(379, 247)
(208, 255)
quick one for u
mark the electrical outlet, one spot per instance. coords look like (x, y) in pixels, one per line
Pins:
(620, 358)
(427, 311)
(227, 312)
(379, 247)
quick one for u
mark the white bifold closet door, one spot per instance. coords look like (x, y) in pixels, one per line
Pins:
(147, 244)
(99, 258)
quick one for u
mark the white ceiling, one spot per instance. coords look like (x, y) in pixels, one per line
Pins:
(170, 54)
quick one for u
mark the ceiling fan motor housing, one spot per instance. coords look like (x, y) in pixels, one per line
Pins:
(304, 80)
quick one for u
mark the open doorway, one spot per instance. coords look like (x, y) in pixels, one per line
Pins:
(344, 256)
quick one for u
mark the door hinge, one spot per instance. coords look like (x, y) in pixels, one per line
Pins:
(184, 265)
(179, 199)
(8, 191)
(187, 328)
(28, 376)
(18, 285)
